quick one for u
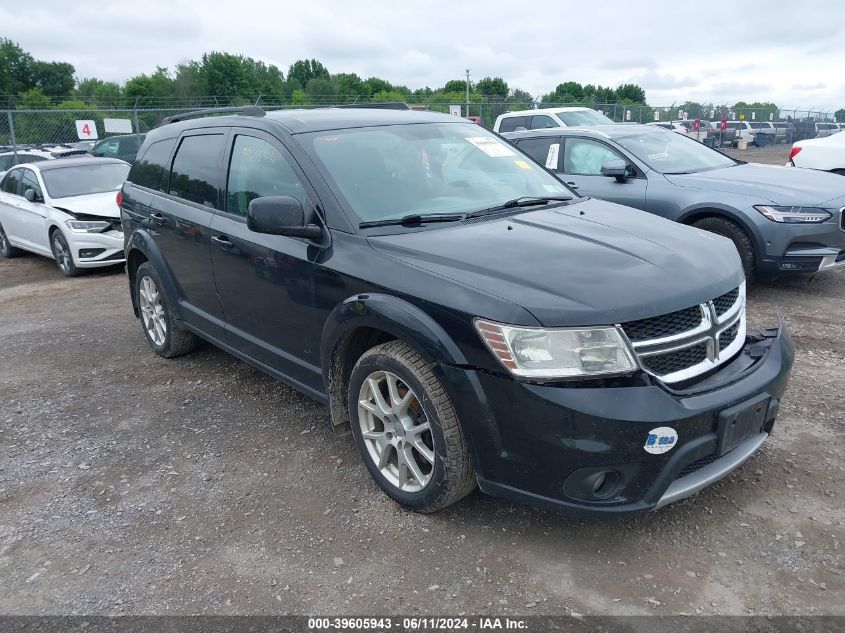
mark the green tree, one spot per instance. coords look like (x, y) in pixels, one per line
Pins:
(349, 86)
(149, 88)
(377, 84)
(492, 87)
(15, 68)
(840, 115)
(631, 92)
(54, 78)
(321, 90)
(97, 91)
(457, 85)
(33, 99)
(304, 70)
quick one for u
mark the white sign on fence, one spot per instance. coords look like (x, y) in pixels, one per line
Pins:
(627, 115)
(118, 126)
(771, 116)
(455, 110)
(753, 115)
(657, 115)
(86, 130)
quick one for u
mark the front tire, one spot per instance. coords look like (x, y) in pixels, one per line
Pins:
(63, 255)
(406, 429)
(6, 249)
(157, 320)
(736, 234)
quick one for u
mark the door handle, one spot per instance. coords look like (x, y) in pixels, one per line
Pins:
(157, 219)
(222, 241)
(572, 185)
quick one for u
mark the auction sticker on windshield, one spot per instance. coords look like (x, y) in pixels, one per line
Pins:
(490, 146)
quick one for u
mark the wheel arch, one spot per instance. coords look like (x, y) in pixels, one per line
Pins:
(700, 212)
(363, 321)
(142, 248)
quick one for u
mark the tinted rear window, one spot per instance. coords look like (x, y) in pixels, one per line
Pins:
(196, 170)
(509, 124)
(152, 170)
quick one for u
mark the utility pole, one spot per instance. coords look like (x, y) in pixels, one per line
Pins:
(467, 72)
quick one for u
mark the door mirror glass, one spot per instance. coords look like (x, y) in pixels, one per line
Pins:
(31, 195)
(616, 169)
(280, 215)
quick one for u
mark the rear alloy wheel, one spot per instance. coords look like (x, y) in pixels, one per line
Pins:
(63, 255)
(736, 234)
(6, 249)
(157, 321)
(407, 430)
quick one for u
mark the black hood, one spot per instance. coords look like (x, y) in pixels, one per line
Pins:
(589, 263)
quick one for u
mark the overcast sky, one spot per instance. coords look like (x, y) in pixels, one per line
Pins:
(787, 52)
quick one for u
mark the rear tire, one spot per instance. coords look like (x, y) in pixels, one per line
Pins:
(63, 255)
(6, 249)
(157, 322)
(407, 430)
(736, 234)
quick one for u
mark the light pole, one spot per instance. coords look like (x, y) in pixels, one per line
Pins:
(467, 72)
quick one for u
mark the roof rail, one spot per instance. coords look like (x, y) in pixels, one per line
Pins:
(247, 110)
(393, 105)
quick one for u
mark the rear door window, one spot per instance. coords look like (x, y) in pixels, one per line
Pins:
(509, 124)
(544, 150)
(196, 170)
(12, 182)
(541, 121)
(152, 170)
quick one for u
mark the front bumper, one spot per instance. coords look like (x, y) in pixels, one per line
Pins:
(804, 248)
(542, 443)
(93, 250)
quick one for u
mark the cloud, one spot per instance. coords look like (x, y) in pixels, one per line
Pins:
(804, 87)
(428, 43)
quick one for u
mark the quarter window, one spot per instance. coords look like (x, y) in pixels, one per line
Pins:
(12, 182)
(195, 170)
(256, 170)
(151, 171)
(585, 157)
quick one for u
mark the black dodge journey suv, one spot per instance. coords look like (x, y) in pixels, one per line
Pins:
(468, 317)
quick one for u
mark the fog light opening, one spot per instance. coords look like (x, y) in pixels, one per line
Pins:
(604, 484)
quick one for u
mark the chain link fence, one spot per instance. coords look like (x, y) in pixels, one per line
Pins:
(21, 128)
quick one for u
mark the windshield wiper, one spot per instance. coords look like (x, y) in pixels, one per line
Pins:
(516, 203)
(414, 219)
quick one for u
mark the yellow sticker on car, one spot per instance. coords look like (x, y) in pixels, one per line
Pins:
(522, 164)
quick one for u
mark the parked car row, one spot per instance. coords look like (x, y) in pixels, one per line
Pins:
(462, 309)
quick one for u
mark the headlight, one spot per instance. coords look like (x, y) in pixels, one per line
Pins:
(794, 215)
(557, 352)
(88, 226)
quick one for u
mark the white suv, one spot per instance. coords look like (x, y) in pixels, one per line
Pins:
(548, 118)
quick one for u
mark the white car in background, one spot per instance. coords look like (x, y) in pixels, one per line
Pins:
(66, 209)
(35, 154)
(826, 154)
(672, 126)
(543, 118)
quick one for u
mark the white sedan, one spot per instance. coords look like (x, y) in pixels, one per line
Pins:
(67, 209)
(826, 154)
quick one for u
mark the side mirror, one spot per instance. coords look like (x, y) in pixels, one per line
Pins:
(31, 195)
(615, 168)
(280, 215)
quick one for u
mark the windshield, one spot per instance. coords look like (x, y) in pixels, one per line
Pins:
(583, 117)
(80, 180)
(433, 168)
(674, 153)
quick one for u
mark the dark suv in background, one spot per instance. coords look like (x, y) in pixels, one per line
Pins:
(124, 147)
(469, 317)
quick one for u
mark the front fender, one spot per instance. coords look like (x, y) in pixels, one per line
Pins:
(392, 315)
(141, 241)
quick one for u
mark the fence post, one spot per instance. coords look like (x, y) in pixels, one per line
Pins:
(135, 116)
(12, 133)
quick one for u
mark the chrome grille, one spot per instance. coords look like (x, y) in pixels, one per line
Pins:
(686, 343)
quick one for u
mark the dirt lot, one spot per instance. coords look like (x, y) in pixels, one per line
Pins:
(132, 484)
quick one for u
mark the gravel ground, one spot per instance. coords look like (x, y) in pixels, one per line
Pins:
(130, 484)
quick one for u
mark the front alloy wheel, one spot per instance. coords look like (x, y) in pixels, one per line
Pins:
(396, 431)
(407, 430)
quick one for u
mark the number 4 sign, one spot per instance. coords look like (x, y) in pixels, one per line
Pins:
(86, 130)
